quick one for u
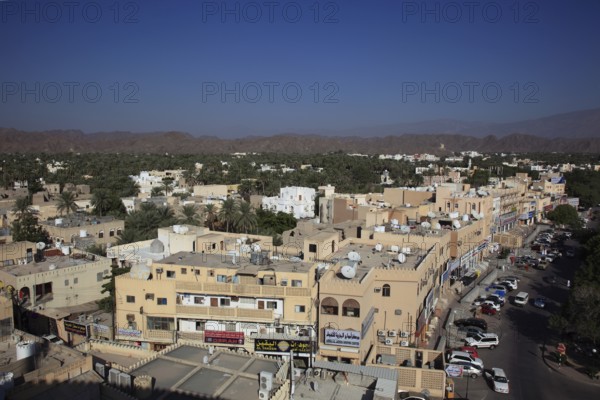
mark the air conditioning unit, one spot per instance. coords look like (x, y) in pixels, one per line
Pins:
(266, 381)
(392, 333)
(99, 368)
(381, 332)
(125, 380)
(159, 270)
(316, 372)
(263, 394)
(389, 342)
(404, 343)
(404, 334)
(113, 376)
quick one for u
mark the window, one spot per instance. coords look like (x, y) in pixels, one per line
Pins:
(230, 327)
(329, 306)
(161, 323)
(351, 308)
(149, 296)
(296, 283)
(101, 234)
(119, 231)
(200, 325)
(183, 271)
(99, 276)
(66, 282)
(300, 309)
(385, 292)
(111, 233)
(271, 305)
(197, 271)
(283, 282)
(75, 281)
(170, 274)
(131, 299)
(161, 301)
(222, 278)
(224, 302)
(198, 300)
(312, 248)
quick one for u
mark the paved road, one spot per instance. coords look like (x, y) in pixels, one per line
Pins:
(523, 332)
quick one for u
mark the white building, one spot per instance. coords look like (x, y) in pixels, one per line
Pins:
(298, 201)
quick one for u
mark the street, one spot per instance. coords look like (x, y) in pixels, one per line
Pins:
(523, 332)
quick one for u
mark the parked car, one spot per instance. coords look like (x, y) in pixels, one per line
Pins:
(540, 302)
(455, 355)
(478, 301)
(521, 299)
(471, 350)
(499, 380)
(483, 340)
(511, 284)
(486, 309)
(570, 253)
(512, 278)
(496, 288)
(478, 322)
(469, 331)
(53, 339)
(469, 369)
(491, 304)
(497, 299)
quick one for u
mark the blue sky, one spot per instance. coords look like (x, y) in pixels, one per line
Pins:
(230, 68)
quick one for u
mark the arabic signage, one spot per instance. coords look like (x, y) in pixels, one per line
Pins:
(224, 337)
(454, 371)
(508, 218)
(129, 332)
(342, 337)
(74, 327)
(98, 328)
(281, 346)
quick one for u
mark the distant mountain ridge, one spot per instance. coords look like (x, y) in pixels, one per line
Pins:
(62, 141)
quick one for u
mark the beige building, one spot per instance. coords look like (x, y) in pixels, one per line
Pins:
(210, 191)
(84, 229)
(221, 297)
(57, 281)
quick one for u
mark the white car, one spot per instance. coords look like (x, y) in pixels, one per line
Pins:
(456, 356)
(492, 304)
(499, 380)
(512, 284)
(482, 340)
(53, 339)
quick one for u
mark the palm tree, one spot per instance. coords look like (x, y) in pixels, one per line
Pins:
(66, 203)
(21, 205)
(228, 212)
(166, 185)
(210, 212)
(156, 191)
(191, 215)
(246, 217)
(101, 201)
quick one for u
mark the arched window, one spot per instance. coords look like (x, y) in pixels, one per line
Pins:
(351, 308)
(329, 306)
(386, 290)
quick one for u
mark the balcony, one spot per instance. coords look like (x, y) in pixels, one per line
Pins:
(234, 289)
(223, 312)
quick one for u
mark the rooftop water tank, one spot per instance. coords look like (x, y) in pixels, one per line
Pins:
(25, 349)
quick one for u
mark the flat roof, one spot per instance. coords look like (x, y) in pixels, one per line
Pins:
(224, 259)
(79, 221)
(370, 258)
(44, 266)
(227, 375)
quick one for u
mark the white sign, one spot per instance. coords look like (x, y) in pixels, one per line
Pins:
(342, 338)
(454, 371)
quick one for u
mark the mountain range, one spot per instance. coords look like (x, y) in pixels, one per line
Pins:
(575, 132)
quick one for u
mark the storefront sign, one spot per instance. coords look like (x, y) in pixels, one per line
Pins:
(281, 346)
(74, 327)
(342, 337)
(508, 218)
(224, 337)
(129, 332)
(454, 371)
(98, 328)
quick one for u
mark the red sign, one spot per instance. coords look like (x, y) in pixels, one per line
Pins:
(561, 348)
(224, 337)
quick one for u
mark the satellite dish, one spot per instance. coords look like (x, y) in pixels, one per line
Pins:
(394, 248)
(353, 256)
(456, 224)
(40, 245)
(425, 225)
(465, 218)
(481, 214)
(438, 226)
(255, 247)
(431, 214)
(378, 247)
(348, 272)
(401, 258)
(453, 215)
(322, 266)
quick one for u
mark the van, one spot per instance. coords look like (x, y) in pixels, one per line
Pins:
(521, 299)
